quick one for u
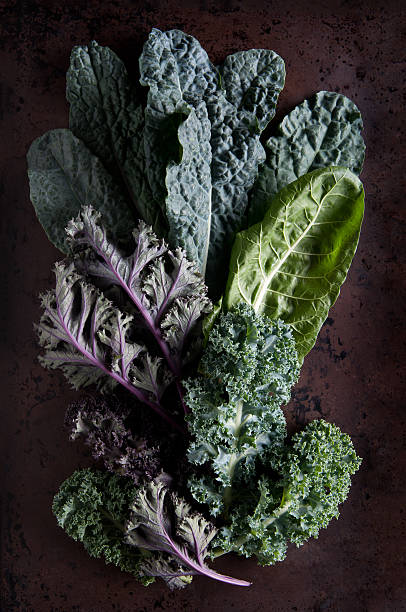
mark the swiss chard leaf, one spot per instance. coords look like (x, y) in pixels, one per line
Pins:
(322, 131)
(292, 264)
(106, 115)
(162, 522)
(64, 176)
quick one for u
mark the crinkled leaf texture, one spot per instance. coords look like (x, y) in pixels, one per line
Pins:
(226, 110)
(92, 507)
(64, 176)
(102, 422)
(320, 132)
(166, 289)
(247, 370)
(162, 522)
(88, 337)
(106, 115)
(315, 478)
(291, 265)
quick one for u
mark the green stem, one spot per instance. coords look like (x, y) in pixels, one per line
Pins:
(283, 508)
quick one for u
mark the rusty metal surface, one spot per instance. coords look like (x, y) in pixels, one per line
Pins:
(352, 377)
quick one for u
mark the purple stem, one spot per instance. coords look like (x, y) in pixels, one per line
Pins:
(96, 362)
(198, 566)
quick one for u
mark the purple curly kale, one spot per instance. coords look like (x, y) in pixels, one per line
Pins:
(103, 424)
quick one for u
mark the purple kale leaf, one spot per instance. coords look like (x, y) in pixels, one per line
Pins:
(103, 423)
(91, 338)
(165, 289)
(164, 523)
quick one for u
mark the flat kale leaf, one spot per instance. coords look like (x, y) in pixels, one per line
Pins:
(64, 176)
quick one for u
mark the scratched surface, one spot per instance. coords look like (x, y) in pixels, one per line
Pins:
(353, 376)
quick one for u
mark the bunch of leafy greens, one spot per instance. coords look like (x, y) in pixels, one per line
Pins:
(152, 202)
(147, 531)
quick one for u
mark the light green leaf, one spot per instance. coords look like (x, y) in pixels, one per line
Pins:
(106, 115)
(320, 132)
(64, 175)
(292, 264)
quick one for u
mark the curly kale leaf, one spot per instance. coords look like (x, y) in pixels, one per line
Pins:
(92, 507)
(315, 473)
(246, 373)
(163, 523)
(103, 422)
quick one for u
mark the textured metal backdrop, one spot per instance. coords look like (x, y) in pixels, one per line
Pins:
(353, 376)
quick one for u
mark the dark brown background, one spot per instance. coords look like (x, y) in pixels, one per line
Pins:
(352, 377)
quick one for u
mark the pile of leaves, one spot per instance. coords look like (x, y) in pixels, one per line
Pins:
(200, 265)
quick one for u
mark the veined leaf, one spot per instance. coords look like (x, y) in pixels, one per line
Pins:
(87, 337)
(182, 79)
(164, 523)
(292, 264)
(106, 115)
(252, 80)
(320, 132)
(64, 175)
(159, 282)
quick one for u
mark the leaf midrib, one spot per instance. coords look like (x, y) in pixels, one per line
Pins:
(267, 281)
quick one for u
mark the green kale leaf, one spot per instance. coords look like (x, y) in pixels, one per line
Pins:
(92, 507)
(106, 115)
(246, 373)
(226, 110)
(64, 176)
(320, 132)
(315, 472)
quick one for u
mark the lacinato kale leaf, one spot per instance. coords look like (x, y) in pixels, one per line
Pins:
(226, 110)
(64, 176)
(315, 472)
(322, 131)
(106, 114)
(246, 373)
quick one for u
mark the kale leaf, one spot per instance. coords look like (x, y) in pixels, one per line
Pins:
(246, 373)
(90, 338)
(315, 472)
(146, 531)
(103, 423)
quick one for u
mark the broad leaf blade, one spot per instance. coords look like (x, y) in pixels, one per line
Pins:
(292, 264)
(64, 175)
(106, 115)
(188, 204)
(181, 78)
(253, 80)
(320, 132)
